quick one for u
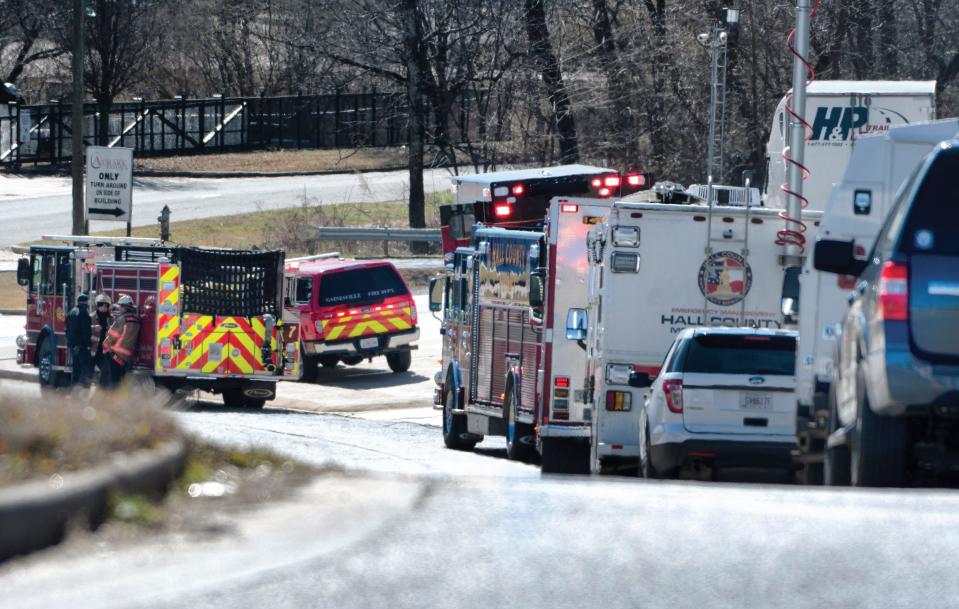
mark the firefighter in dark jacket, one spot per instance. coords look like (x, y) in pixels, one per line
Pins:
(79, 330)
(120, 345)
(104, 321)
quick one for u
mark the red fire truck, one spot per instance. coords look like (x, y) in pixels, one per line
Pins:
(520, 198)
(209, 318)
(349, 310)
(505, 371)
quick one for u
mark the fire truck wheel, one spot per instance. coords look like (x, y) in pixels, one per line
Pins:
(352, 360)
(516, 449)
(308, 363)
(49, 377)
(454, 426)
(399, 361)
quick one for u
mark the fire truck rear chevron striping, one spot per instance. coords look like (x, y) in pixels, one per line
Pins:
(654, 270)
(209, 317)
(505, 372)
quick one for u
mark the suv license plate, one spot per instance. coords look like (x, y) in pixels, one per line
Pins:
(756, 402)
(369, 343)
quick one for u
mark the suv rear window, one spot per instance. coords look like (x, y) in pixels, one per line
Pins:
(360, 286)
(750, 354)
(932, 226)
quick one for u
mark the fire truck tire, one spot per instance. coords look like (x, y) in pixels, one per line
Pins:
(234, 398)
(454, 426)
(516, 449)
(329, 361)
(352, 360)
(48, 376)
(308, 363)
(399, 361)
(563, 456)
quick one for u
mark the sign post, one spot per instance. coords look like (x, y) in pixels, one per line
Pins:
(109, 184)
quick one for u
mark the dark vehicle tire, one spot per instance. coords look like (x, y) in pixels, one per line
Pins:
(308, 364)
(454, 425)
(254, 403)
(329, 361)
(516, 449)
(646, 469)
(836, 458)
(562, 456)
(49, 377)
(881, 445)
(352, 360)
(399, 361)
(233, 398)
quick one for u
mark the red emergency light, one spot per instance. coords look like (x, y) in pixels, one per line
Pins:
(604, 192)
(502, 210)
(561, 381)
(518, 189)
(597, 182)
(636, 179)
(611, 181)
(569, 208)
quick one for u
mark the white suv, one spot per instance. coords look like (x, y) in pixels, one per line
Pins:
(724, 398)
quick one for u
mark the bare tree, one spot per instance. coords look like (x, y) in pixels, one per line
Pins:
(24, 32)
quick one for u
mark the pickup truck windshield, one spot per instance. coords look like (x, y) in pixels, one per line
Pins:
(360, 286)
(726, 354)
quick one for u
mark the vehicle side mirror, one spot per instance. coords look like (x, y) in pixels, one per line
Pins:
(436, 294)
(576, 324)
(287, 302)
(537, 289)
(837, 257)
(640, 379)
(24, 272)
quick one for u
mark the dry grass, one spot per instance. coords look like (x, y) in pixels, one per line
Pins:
(40, 438)
(12, 296)
(279, 161)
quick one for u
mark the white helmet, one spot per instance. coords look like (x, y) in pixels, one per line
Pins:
(125, 301)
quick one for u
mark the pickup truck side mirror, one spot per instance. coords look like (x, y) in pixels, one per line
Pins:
(640, 379)
(834, 256)
(436, 294)
(24, 271)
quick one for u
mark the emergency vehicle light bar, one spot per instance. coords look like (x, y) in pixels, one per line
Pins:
(102, 240)
(314, 257)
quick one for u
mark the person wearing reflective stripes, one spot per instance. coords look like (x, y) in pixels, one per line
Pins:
(104, 321)
(120, 345)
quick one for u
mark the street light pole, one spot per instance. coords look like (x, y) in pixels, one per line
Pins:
(76, 158)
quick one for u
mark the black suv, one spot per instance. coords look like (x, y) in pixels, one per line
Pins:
(895, 406)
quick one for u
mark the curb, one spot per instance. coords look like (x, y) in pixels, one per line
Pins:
(13, 311)
(29, 376)
(38, 514)
(159, 173)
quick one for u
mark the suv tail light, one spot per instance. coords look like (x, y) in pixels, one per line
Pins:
(894, 292)
(674, 395)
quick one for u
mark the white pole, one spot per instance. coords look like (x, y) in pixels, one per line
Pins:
(797, 130)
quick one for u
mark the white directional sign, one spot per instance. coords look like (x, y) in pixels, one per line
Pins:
(109, 183)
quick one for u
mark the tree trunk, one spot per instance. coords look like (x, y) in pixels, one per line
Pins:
(622, 122)
(104, 104)
(542, 51)
(413, 43)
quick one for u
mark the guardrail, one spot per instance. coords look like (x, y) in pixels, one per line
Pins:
(369, 233)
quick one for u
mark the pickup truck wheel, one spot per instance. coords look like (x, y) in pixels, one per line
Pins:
(646, 469)
(516, 450)
(399, 361)
(836, 458)
(454, 425)
(563, 456)
(881, 445)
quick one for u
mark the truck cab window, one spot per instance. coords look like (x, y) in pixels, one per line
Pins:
(48, 275)
(304, 290)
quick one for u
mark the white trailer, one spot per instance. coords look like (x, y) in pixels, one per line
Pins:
(840, 112)
(654, 270)
(856, 209)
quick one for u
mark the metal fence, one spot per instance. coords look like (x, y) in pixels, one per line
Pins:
(34, 134)
(370, 233)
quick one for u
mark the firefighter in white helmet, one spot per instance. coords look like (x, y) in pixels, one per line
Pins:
(120, 345)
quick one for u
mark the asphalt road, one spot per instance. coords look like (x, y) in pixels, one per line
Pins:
(42, 205)
(411, 524)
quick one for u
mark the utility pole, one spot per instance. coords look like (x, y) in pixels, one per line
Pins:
(76, 158)
(797, 130)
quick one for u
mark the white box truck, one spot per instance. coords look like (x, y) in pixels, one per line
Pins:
(856, 209)
(654, 270)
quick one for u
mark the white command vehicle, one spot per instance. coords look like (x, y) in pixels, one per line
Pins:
(858, 205)
(724, 398)
(840, 112)
(656, 269)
